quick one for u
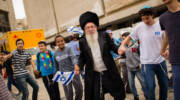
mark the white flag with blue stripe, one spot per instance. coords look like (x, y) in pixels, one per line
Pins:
(63, 77)
(75, 29)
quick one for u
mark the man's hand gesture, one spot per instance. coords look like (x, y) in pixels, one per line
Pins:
(77, 69)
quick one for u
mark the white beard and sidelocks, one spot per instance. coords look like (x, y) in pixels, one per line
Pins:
(93, 43)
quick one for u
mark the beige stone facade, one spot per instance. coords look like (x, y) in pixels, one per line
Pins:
(39, 14)
(7, 7)
(118, 13)
(56, 15)
(21, 24)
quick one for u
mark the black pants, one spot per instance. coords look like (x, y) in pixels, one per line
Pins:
(51, 87)
(108, 86)
(125, 76)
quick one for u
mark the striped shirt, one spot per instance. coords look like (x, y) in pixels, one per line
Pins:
(4, 93)
(20, 60)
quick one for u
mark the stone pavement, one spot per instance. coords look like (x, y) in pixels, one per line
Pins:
(44, 96)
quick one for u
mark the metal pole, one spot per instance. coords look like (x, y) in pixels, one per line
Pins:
(55, 17)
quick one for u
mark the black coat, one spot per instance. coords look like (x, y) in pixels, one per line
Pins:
(86, 59)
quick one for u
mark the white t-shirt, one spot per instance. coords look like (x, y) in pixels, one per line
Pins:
(151, 39)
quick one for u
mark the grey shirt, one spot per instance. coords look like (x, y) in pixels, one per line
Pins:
(132, 57)
(65, 59)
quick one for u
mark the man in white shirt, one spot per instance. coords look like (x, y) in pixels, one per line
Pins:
(150, 37)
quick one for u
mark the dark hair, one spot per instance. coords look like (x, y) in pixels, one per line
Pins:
(146, 12)
(42, 42)
(52, 45)
(57, 36)
(70, 38)
(125, 34)
(75, 36)
(5, 52)
(19, 40)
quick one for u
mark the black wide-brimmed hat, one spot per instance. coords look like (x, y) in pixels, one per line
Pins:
(88, 17)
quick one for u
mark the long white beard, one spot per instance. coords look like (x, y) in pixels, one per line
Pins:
(93, 43)
(92, 39)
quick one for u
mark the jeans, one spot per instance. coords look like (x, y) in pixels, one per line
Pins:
(176, 81)
(131, 78)
(51, 87)
(23, 80)
(160, 70)
(12, 81)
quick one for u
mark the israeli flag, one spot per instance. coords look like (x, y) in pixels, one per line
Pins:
(75, 29)
(63, 77)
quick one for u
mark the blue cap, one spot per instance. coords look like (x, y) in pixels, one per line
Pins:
(146, 7)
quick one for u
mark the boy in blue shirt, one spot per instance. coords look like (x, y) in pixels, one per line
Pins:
(46, 65)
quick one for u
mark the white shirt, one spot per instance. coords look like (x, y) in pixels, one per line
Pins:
(99, 65)
(151, 39)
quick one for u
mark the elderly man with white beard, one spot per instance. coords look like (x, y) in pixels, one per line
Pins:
(101, 73)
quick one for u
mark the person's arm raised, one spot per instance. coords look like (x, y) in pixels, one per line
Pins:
(122, 48)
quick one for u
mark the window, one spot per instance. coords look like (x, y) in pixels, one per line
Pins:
(4, 22)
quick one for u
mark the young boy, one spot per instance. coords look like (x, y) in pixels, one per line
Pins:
(65, 60)
(46, 65)
(133, 66)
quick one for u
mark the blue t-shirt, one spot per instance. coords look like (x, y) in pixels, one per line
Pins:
(117, 42)
(45, 64)
(74, 45)
(115, 55)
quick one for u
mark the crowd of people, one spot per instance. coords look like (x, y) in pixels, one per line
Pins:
(141, 53)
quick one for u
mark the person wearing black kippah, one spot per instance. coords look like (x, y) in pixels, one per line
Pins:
(101, 73)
